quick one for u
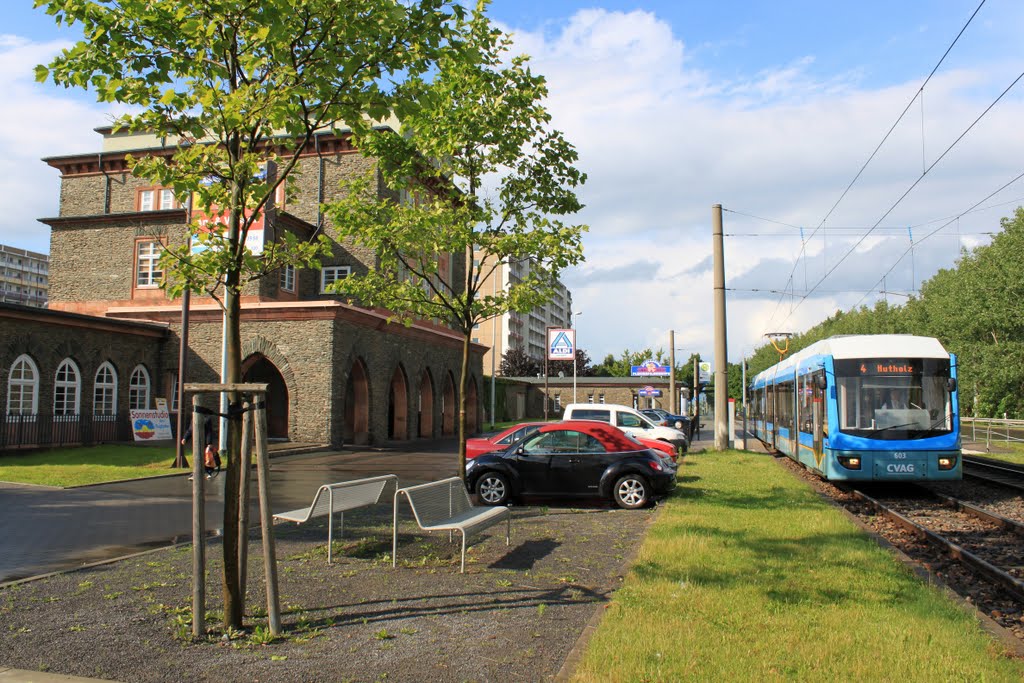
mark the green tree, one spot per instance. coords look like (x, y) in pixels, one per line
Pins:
(476, 167)
(232, 85)
(583, 366)
(516, 363)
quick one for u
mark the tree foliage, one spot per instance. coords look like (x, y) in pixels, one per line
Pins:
(976, 309)
(583, 367)
(476, 166)
(516, 363)
(231, 85)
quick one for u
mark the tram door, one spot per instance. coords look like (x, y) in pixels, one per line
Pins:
(773, 415)
(818, 401)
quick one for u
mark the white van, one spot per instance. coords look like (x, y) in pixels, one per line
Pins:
(628, 420)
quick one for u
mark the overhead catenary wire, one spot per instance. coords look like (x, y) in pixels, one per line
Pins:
(951, 221)
(877, 148)
(907, 192)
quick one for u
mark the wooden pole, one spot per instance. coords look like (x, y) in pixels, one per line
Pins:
(198, 524)
(266, 515)
(243, 500)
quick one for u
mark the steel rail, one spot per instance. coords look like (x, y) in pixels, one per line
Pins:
(984, 469)
(990, 571)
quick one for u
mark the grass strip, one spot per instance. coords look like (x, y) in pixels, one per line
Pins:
(86, 465)
(748, 576)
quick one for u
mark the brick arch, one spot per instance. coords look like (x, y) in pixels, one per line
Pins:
(472, 406)
(357, 403)
(449, 407)
(256, 353)
(268, 349)
(398, 405)
(426, 405)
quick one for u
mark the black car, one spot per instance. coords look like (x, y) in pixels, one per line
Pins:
(663, 417)
(577, 458)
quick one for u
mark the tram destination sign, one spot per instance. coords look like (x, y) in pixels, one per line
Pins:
(888, 367)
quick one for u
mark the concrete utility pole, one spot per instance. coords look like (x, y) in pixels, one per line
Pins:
(721, 350)
(672, 372)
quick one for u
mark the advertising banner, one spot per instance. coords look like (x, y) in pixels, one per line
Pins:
(649, 368)
(151, 425)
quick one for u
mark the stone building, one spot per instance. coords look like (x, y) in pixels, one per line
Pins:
(338, 373)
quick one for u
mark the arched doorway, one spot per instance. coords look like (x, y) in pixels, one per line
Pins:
(472, 402)
(426, 406)
(448, 406)
(258, 369)
(398, 407)
(357, 405)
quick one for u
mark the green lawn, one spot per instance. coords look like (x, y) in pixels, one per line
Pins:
(88, 465)
(747, 575)
(1015, 454)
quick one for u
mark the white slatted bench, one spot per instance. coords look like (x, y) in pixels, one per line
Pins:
(445, 506)
(340, 497)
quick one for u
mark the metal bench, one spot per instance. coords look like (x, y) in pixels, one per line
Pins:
(445, 506)
(340, 497)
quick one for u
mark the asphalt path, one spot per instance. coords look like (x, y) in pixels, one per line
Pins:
(46, 529)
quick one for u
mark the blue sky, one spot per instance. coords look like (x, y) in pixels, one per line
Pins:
(769, 108)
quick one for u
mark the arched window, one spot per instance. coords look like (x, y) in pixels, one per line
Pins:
(104, 396)
(23, 387)
(67, 389)
(138, 389)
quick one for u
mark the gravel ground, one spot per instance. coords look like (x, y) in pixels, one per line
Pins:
(989, 599)
(514, 616)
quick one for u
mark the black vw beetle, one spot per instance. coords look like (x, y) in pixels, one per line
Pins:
(572, 458)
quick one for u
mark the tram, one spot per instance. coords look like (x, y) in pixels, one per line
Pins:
(864, 407)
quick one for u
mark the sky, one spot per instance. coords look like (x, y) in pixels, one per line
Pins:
(770, 109)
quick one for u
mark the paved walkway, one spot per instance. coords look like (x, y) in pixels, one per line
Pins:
(47, 529)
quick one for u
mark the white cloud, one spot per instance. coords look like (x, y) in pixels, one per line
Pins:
(662, 142)
(36, 121)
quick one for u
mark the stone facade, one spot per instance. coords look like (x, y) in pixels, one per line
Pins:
(330, 364)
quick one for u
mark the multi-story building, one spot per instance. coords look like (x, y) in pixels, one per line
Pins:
(525, 331)
(337, 372)
(24, 276)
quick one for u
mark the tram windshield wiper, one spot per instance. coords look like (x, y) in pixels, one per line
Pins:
(902, 426)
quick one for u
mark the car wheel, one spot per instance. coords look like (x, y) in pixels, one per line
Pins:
(492, 488)
(631, 492)
(679, 424)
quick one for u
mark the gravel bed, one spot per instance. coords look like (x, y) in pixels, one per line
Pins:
(988, 598)
(514, 616)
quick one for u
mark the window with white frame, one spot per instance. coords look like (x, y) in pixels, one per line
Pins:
(67, 388)
(138, 389)
(104, 394)
(157, 199)
(23, 387)
(590, 398)
(288, 278)
(174, 392)
(331, 274)
(601, 398)
(147, 267)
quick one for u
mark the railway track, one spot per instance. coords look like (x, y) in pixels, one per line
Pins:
(994, 471)
(987, 543)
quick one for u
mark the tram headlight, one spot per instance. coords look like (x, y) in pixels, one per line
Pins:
(947, 462)
(850, 462)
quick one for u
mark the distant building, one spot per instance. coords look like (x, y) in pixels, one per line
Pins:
(24, 277)
(524, 331)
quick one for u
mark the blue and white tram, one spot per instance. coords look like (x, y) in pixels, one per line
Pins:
(864, 407)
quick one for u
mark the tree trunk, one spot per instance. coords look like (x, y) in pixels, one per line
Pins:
(463, 384)
(234, 608)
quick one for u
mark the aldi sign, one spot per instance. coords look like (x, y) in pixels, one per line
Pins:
(561, 344)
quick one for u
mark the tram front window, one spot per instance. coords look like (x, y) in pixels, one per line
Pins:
(894, 398)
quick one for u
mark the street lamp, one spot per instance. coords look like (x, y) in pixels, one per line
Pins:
(575, 352)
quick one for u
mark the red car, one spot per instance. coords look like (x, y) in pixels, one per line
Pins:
(501, 440)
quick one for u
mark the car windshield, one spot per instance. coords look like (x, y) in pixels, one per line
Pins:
(518, 435)
(894, 398)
